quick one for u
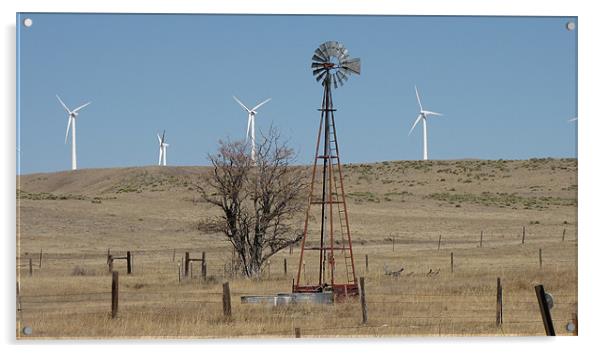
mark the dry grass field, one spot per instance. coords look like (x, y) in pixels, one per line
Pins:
(398, 211)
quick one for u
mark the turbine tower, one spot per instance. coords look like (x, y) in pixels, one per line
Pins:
(251, 123)
(71, 115)
(162, 149)
(422, 116)
(331, 253)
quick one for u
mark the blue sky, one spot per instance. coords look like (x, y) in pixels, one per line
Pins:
(506, 85)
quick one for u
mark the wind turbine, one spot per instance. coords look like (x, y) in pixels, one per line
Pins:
(251, 123)
(72, 114)
(422, 116)
(162, 149)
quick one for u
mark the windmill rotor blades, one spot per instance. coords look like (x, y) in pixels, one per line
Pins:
(63, 104)
(415, 123)
(418, 97)
(427, 112)
(163, 138)
(241, 104)
(68, 126)
(260, 104)
(248, 127)
(318, 58)
(81, 107)
(353, 65)
(159, 138)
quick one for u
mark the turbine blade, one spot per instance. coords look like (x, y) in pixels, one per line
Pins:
(163, 138)
(418, 97)
(80, 107)
(431, 113)
(260, 104)
(63, 104)
(159, 138)
(68, 126)
(415, 123)
(248, 127)
(571, 120)
(242, 105)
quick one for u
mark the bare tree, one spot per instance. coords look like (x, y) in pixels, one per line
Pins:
(260, 200)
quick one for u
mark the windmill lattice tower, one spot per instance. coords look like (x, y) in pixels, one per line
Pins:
(335, 265)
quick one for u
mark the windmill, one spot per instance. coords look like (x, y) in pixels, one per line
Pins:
(71, 115)
(162, 149)
(423, 116)
(331, 65)
(251, 123)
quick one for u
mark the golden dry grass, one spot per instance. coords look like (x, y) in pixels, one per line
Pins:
(151, 212)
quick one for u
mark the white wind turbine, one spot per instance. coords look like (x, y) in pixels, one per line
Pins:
(72, 114)
(162, 149)
(422, 116)
(251, 123)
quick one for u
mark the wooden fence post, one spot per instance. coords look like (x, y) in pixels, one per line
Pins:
(173, 256)
(110, 263)
(366, 262)
(40, 264)
(545, 310)
(363, 301)
(108, 255)
(540, 259)
(129, 262)
(179, 272)
(290, 249)
(563, 233)
(499, 310)
(523, 235)
(30, 267)
(481, 241)
(393, 243)
(115, 295)
(203, 267)
(439, 243)
(186, 263)
(285, 266)
(226, 300)
(297, 332)
(452, 262)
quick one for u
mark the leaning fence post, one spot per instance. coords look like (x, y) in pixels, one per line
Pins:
(226, 300)
(129, 262)
(499, 313)
(439, 243)
(363, 301)
(545, 310)
(563, 233)
(540, 258)
(115, 294)
(366, 262)
(523, 235)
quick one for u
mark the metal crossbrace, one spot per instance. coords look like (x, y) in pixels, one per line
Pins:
(335, 163)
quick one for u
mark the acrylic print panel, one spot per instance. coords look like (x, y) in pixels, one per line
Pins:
(295, 176)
